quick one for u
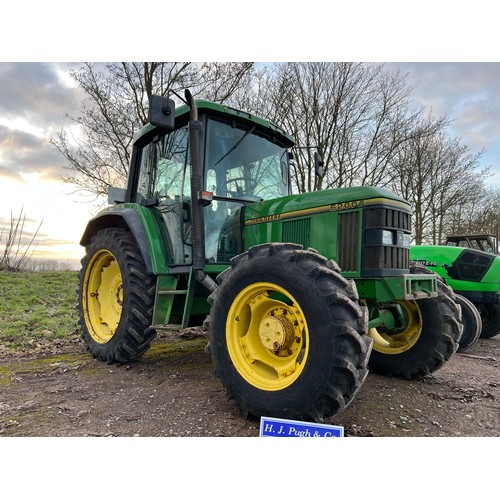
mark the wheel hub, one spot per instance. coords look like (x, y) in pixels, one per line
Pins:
(104, 296)
(276, 332)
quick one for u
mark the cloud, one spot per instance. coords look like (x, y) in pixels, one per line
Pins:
(19, 230)
(38, 93)
(466, 92)
(24, 153)
(17, 218)
(34, 101)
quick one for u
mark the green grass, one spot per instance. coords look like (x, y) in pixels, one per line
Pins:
(37, 308)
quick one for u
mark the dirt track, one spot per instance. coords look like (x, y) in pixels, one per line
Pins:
(172, 392)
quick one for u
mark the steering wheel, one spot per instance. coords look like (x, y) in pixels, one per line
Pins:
(251, 182)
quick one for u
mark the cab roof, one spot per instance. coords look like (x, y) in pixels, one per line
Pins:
(213, 108)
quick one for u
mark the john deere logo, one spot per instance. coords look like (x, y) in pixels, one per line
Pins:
(261, 220)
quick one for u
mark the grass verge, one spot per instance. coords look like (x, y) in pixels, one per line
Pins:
(37, 309)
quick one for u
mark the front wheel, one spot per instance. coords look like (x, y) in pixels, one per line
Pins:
(115, 297)
(287, 334)
(471, 321)
(490, 316)
(427, 335)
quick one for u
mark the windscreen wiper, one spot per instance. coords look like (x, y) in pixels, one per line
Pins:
(247, 133)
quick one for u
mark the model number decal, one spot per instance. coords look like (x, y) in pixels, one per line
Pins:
(426, 263)
(347, 205)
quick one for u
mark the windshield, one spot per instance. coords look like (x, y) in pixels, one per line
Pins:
(243, 165)
(240, 167)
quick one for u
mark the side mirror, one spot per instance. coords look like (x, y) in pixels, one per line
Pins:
(162, 112)
(318, 164)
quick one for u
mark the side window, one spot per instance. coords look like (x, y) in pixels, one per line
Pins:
(172, 189)
(171, 176)
(145, 173)
(169, 155)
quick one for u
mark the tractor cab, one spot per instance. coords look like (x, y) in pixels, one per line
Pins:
(484, 242)
(242, 159)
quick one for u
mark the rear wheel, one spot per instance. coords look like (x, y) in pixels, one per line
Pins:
(490, 316)
(472, 323)
(115, 297)
(425, 338)
(287, 334)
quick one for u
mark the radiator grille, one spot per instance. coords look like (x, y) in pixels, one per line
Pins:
(388, 218)
(348, 241)
(385, 259)
(297, 231)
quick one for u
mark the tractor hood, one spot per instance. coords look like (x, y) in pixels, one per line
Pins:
(315, 202)
(366, 230)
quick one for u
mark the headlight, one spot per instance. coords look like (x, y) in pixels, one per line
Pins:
(387, 237)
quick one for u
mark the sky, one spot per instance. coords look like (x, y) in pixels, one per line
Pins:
(35, 98)
(469, 94)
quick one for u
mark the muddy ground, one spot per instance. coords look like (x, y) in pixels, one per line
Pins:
(171, 391)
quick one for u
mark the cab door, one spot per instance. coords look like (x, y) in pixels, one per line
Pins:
(163, 183)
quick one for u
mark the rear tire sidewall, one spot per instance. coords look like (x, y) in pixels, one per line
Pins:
(115, 349)
(490, 315)
(98, 244)
(471, 321)
(427, 342)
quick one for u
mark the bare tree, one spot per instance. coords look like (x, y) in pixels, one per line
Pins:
(218, 82)
(479, 213)
(436, 174)
(358, 116)
(18, 248)
(116, 107)
(355, 115)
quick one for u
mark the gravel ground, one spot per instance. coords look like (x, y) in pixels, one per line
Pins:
(172, 392)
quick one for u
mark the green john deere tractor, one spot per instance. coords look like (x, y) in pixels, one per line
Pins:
(470, 265)
(293, 289)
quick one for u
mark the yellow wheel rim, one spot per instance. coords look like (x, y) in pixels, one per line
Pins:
(102, 296)
(402, 341)
(267, 336)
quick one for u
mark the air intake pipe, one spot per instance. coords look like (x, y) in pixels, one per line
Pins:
(197, 221)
